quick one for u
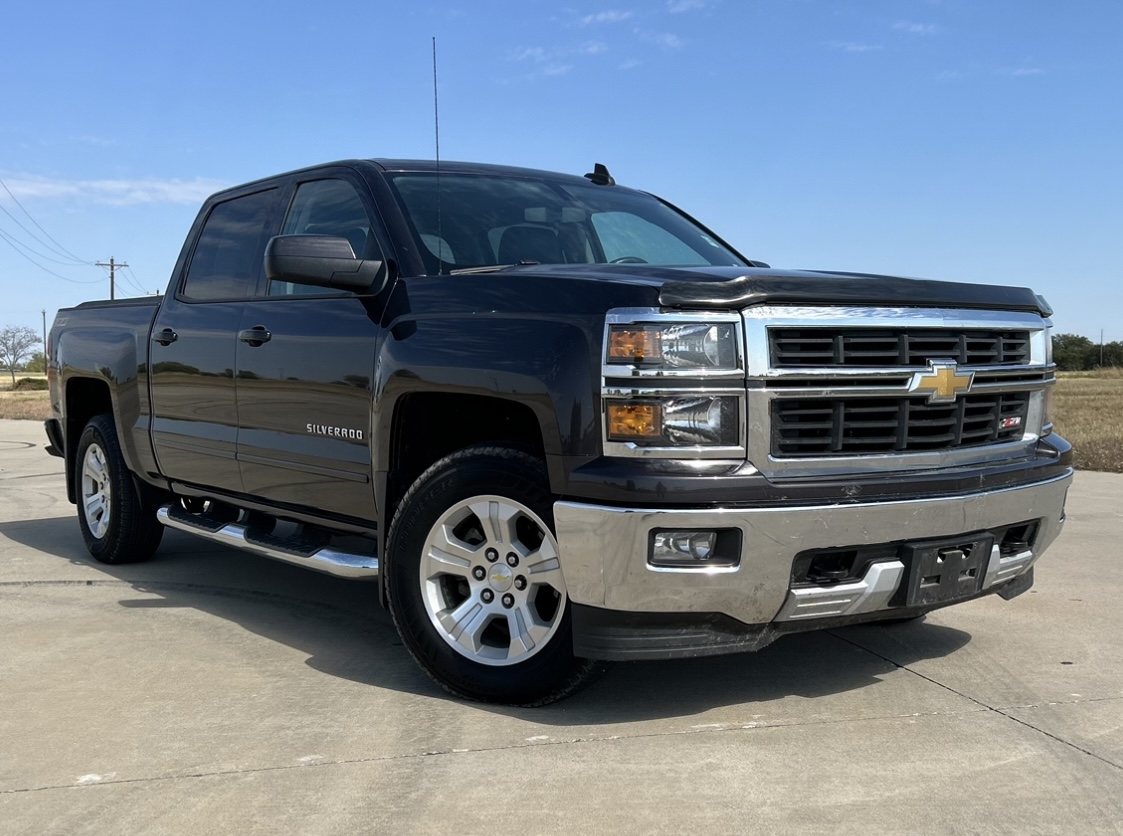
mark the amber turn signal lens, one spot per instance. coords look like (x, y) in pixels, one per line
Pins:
(634, 421)
(633, 344)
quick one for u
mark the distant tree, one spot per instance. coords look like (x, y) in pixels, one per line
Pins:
(16, 342)
(37, 363)
(1073, 353)
(1112, 355)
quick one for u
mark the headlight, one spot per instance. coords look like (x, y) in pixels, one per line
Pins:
(679, 345)
(673, 384)
(693, 420)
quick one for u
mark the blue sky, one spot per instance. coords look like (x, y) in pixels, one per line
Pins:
(955, 139)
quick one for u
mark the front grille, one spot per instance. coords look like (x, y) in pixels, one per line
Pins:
(872, 426)
(889, 348)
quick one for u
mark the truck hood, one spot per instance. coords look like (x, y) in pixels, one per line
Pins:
(741, 287)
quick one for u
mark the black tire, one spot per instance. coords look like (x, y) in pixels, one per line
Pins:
(440, 505)
(116, 525)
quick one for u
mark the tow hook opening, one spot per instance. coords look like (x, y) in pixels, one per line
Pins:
(1018, 539)
(825, 567)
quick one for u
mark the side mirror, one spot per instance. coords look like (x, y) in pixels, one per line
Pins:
(321, 261)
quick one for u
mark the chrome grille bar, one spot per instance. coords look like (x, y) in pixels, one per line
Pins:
(829, 388)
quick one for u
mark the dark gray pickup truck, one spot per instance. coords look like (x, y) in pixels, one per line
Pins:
(558, 421)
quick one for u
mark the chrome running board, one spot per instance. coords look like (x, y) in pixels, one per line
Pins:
(342, 564)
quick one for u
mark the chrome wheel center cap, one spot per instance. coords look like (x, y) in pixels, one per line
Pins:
(500, 577)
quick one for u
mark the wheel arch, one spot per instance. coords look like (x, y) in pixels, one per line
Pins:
(427, 426)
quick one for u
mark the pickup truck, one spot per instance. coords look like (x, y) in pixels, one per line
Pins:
(558, 422)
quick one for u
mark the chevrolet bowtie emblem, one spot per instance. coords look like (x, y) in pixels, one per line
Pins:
(943, 382)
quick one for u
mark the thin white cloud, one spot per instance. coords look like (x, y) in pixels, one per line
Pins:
(630, 64)
(115, 192)
(854, 46)
(592, 48)
(555, 61)
(679, 6)
(557, 56)
(1021, 72)
(666, 40)
(916, 28)
(610, 16)
(95, 140)
(532, 53)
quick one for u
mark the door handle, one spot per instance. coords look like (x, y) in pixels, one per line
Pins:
(165, 337)
(258, 335)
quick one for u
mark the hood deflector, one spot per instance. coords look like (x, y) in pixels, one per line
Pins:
(845, 289)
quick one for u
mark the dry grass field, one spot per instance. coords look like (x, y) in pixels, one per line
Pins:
(1087, 409)
(32, 406)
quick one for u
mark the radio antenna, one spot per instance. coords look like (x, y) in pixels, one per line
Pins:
(437, 143)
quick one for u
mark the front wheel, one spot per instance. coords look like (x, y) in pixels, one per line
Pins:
(475, 583)
(115, 524)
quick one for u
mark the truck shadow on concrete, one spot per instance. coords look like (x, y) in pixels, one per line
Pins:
(343, 631)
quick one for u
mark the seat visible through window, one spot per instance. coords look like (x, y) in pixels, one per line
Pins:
(530, 243)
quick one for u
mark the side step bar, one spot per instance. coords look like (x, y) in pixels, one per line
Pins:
(336, 562)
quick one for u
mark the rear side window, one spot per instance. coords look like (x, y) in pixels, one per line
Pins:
(228, 258)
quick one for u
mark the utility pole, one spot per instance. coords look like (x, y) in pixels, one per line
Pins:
(44, 339)
(112, 265)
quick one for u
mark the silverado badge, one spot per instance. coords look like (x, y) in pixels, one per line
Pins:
(943, 381)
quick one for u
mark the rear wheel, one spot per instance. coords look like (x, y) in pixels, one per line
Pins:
(475, 583)
(116, 526)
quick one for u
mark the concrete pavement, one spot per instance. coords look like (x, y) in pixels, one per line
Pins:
(214, 692)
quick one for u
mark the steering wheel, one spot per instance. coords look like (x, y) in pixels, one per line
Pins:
(628, 259)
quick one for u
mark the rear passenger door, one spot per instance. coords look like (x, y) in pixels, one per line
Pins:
(192, 355)
(305, 382)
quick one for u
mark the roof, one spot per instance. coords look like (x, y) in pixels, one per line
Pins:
(457, 167)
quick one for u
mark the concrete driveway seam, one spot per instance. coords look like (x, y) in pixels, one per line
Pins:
(1001, 711)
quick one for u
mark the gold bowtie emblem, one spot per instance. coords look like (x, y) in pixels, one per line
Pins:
(943, 382)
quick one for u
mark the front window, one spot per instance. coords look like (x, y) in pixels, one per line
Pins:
(327, 207)
(472, 221)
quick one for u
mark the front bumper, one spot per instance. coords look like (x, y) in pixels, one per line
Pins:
(604, 553)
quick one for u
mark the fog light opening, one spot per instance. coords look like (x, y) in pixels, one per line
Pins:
(695, 549)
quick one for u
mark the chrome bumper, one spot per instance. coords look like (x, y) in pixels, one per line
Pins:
(604, 551)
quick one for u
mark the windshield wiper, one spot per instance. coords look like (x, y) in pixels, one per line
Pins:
(487, 268)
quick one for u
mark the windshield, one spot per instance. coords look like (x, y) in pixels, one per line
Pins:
(487, 221)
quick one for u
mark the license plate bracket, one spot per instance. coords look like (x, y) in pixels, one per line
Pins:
(946, 570)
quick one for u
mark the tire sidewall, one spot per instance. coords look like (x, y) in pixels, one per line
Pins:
(133, 533)
(94, 433)
(453, 480)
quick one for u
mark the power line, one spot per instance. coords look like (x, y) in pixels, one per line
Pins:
(45, 269)
(39, 241)
(131, 278)
(64, 250)
(11, 239)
